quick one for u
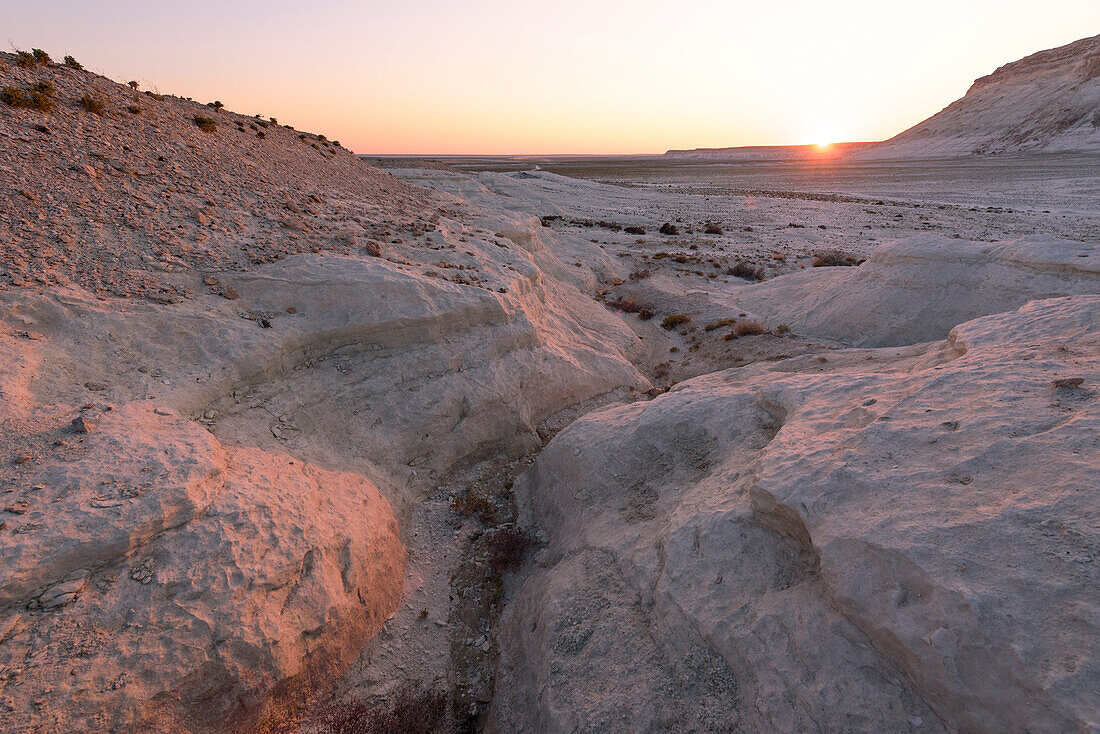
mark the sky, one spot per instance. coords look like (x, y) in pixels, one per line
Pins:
(568, 76)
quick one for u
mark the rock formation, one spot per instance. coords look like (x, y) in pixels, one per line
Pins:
(887, 540)
(1046, 102)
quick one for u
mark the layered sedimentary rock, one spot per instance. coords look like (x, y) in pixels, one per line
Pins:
(1046, 102)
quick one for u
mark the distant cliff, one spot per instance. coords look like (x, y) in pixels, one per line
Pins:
(1048, 101)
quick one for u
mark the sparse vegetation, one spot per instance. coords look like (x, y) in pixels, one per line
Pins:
(416, 709)
(669, 229)
(676, 319)
(640, 274)
(88, 103)
(133, 109)
(645, 314)
(712, 228)
(73, 63)
(133, 85)
(25, 59)
(41, 57)
(834, 258)
(634, 230)
(747, 271)
(39, 97)
(216, 105)
(205, 124)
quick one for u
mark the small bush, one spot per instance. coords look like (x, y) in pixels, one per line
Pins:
(507, 547)
(261, 135)
(416, 709)
(712, 228)
(645, 314)
(88, 103)
(25, 59)
(205, 124)
(41, 57)
(133, 109)
(133, 85)
(39, 98)
(669, 228)
(749, 272)
(677, 319)
(835, 258)
(73, 63)
(634, 230)
(746, 328)
(640, 274)
(216, 104)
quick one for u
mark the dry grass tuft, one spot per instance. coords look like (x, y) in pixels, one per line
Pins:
(205, 124)
(747, 327)
(749, 272)
(73, 63)
(677, 319)
(88, 103)
(835, 258)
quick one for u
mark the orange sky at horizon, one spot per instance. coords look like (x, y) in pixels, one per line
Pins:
(496, 77)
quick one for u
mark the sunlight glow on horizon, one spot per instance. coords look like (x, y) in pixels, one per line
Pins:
(575, 76)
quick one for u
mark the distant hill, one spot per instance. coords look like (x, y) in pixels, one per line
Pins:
(1048, 101)
(764, 153)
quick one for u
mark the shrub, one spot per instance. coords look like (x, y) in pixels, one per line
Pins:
(261, 135)
(640, 274)
(749, 272)
(677, 319)
(834, 258)
(669, 228)
(634, 230)
(88, 103)
(133, 85)
(205, 124)
(41, 57)
(507, 546)
(712, 228)
(216, 104)
(416, 709)
(133, 109)
(645, 314)
(746, 328)
(39, 98)
(24, 59)
(73, 63)
(718, 324)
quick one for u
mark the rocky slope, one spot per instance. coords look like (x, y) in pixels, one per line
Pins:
(1046, 102)
(271, 351)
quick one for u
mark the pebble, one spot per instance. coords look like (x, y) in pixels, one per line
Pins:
(83, 424)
